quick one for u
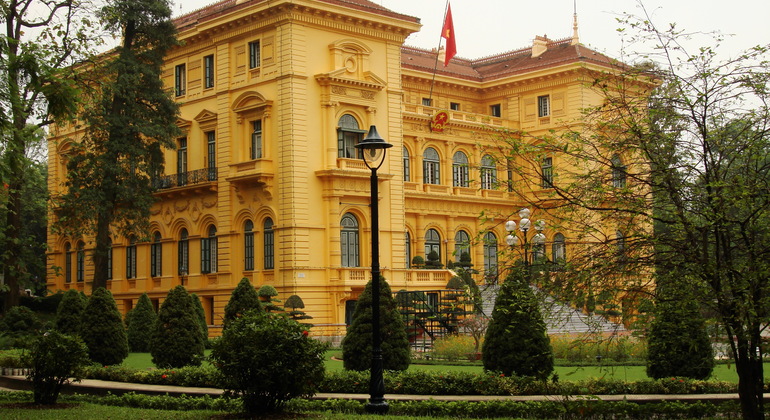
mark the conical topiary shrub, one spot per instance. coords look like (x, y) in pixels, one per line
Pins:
(516, 342)
(177, 339)
(102, 329)
(243, 299)
(70, 312)
(357, 344)
(201, 315)
(140, 324)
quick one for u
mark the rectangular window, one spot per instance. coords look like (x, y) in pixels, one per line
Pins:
(156, 260)
(181, 161)
(183, 257)
(81, 264)
(68, 265)
(248, 250)
(543, 106)
(205, 255)
(131, 261)
(495, 110)
(254, 54)
(547, 173)
(427, 102)
(109, 263)
(256, 140)
(208, 71)
(180, 80)
(454, 106)
(211, 158)
(269, 249)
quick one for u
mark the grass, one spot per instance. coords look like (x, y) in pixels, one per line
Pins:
(94, 411)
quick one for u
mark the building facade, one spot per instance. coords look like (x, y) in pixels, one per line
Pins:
(265, 183)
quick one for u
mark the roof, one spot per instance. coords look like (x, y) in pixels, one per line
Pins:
(228, 6)
(509, 63)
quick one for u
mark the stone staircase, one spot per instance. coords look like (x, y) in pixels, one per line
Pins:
(559, 318)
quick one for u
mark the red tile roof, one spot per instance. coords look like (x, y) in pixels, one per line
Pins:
(505, 64)
(227, 6)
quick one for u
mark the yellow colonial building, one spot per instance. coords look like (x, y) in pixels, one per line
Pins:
(265, 182)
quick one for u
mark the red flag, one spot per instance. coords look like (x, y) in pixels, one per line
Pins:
(448, 33)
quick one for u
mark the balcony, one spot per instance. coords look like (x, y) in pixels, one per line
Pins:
(199, 179)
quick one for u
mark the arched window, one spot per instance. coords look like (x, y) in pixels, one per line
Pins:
(81, 262)
(431, 168)
(348, 136)
(618, 172)
(460, 170)
(183, 253)
(68, 262)
(488, 173)
(269, 246)
(209, 251)
(408, 245)
(349, 241)
(490, 255)
(131, 258)
(432, 243)
(407, 165)
(462, 244)
(559, 249)
(156, 256)
(248, 245)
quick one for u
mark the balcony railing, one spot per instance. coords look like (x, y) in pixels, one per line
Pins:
(198, 176)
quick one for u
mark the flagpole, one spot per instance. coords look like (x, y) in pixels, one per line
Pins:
(438, 52)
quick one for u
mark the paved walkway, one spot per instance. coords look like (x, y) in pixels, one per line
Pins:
(97, 387)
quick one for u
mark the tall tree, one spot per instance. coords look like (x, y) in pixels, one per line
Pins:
(131, 118)
(668, 170)
(40, 42)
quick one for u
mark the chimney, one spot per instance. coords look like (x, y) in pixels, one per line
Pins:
(539, 46)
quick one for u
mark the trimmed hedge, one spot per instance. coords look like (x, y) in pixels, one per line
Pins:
(586, 408)
(431, 383)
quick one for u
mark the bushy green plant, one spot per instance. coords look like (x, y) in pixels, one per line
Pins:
(418, 261)
(456, 283)
(243, 299)
(678, 341)
(201, 315)
(357, 344)
(70, 312)
(20, 324)
(433, 261)
(177, 339)
(140, 324)
(102, 329)
(268, 359)
(55, 358)
(516, 342)
(453, 347)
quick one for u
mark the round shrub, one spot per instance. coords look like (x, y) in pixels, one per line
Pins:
(268, 359)
(55, 358)
(243, 299)
(516, 342)
(20, 324)
(177, 339)
(70, 312)
(357, 344)
(140, 323)
(102, 329)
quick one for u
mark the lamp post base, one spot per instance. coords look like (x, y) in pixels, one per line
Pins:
(377, 406)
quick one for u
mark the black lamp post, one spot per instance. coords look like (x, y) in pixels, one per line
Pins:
(373, 153)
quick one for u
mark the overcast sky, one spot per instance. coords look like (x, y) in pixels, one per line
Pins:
(487, 27)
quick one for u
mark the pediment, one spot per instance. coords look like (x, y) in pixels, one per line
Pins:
(341, 77)
(205, 116)
(249, 101)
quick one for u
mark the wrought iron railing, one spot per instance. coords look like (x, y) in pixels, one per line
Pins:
(198, 176)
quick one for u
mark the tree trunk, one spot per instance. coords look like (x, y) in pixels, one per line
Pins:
(750, 383)
(102, 251)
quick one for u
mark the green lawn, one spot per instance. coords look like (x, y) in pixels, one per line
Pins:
(722, 372)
